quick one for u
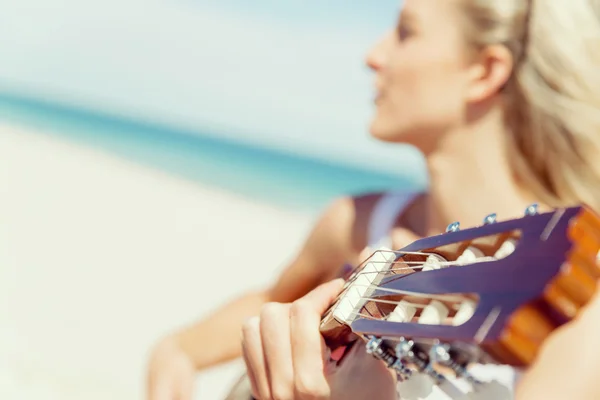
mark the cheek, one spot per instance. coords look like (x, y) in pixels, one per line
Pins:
(405, 96)
(422, 94)
(404, 81)
(426, 88)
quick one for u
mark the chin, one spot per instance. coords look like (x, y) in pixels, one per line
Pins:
(383, 137)
(420, 139)
(389, 132)
(382, 131)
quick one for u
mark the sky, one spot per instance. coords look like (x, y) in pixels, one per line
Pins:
(284, 73)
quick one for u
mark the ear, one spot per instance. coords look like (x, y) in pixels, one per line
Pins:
(489, 72)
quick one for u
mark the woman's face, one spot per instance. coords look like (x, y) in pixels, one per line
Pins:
(420, 74)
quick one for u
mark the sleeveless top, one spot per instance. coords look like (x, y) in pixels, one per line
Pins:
(381, 222)
(420, 387)
(384, 215)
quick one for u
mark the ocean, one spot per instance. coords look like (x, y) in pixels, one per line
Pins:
(274, 176)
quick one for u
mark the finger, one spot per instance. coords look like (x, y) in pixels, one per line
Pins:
(362, 257)
(159, 391)
(186, 391)
(275, 334)
(254, 357)
(309, 352)
(403, 237)
(320, 298)
(250, 374)
(367, 251)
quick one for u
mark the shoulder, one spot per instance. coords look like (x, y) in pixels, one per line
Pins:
(344, 223)
(350, 212)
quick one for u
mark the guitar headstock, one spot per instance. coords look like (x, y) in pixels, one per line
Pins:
(490, 294)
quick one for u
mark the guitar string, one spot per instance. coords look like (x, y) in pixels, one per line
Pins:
(392, 291)
(412, 267)
(408, 267)
(441, 297)
(415, 266)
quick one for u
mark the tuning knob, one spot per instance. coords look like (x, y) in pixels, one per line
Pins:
(377, 349)
(531, 209)
(374, 345)
(404, 348)
(453, 227)
(489, 219)
(439, 353)
(403, 373)
(407, 352)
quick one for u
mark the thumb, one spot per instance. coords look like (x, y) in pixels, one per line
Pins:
(320, 298)
(403, 237)
(366, 253)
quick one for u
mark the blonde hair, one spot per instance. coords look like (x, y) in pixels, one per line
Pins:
(553, 96)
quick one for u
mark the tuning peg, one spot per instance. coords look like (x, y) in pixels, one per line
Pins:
(531, 210)
(403, 373)
(440, 353)
(409, 353)
(378, 349)
(489, 219)
(453, 227)
(404, 348)
(374, 345)
(405, 351)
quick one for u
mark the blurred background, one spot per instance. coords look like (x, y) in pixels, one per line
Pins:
(157, 157)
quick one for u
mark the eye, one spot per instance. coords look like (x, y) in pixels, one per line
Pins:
(403, 32)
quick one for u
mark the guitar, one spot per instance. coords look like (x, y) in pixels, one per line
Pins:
(485, 295)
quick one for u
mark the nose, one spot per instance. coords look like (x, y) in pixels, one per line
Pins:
(376, 57)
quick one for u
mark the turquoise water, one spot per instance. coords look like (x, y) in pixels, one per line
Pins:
(282, 179)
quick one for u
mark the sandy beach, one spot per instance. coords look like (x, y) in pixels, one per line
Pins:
(99, 257)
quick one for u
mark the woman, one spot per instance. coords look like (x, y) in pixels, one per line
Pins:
(499, 95)
(502, 98)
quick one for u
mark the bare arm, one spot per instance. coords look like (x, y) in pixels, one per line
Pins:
(568, 363)
(332, 242)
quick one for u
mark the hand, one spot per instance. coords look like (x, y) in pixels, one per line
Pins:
(286, 356)
(171, 373)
